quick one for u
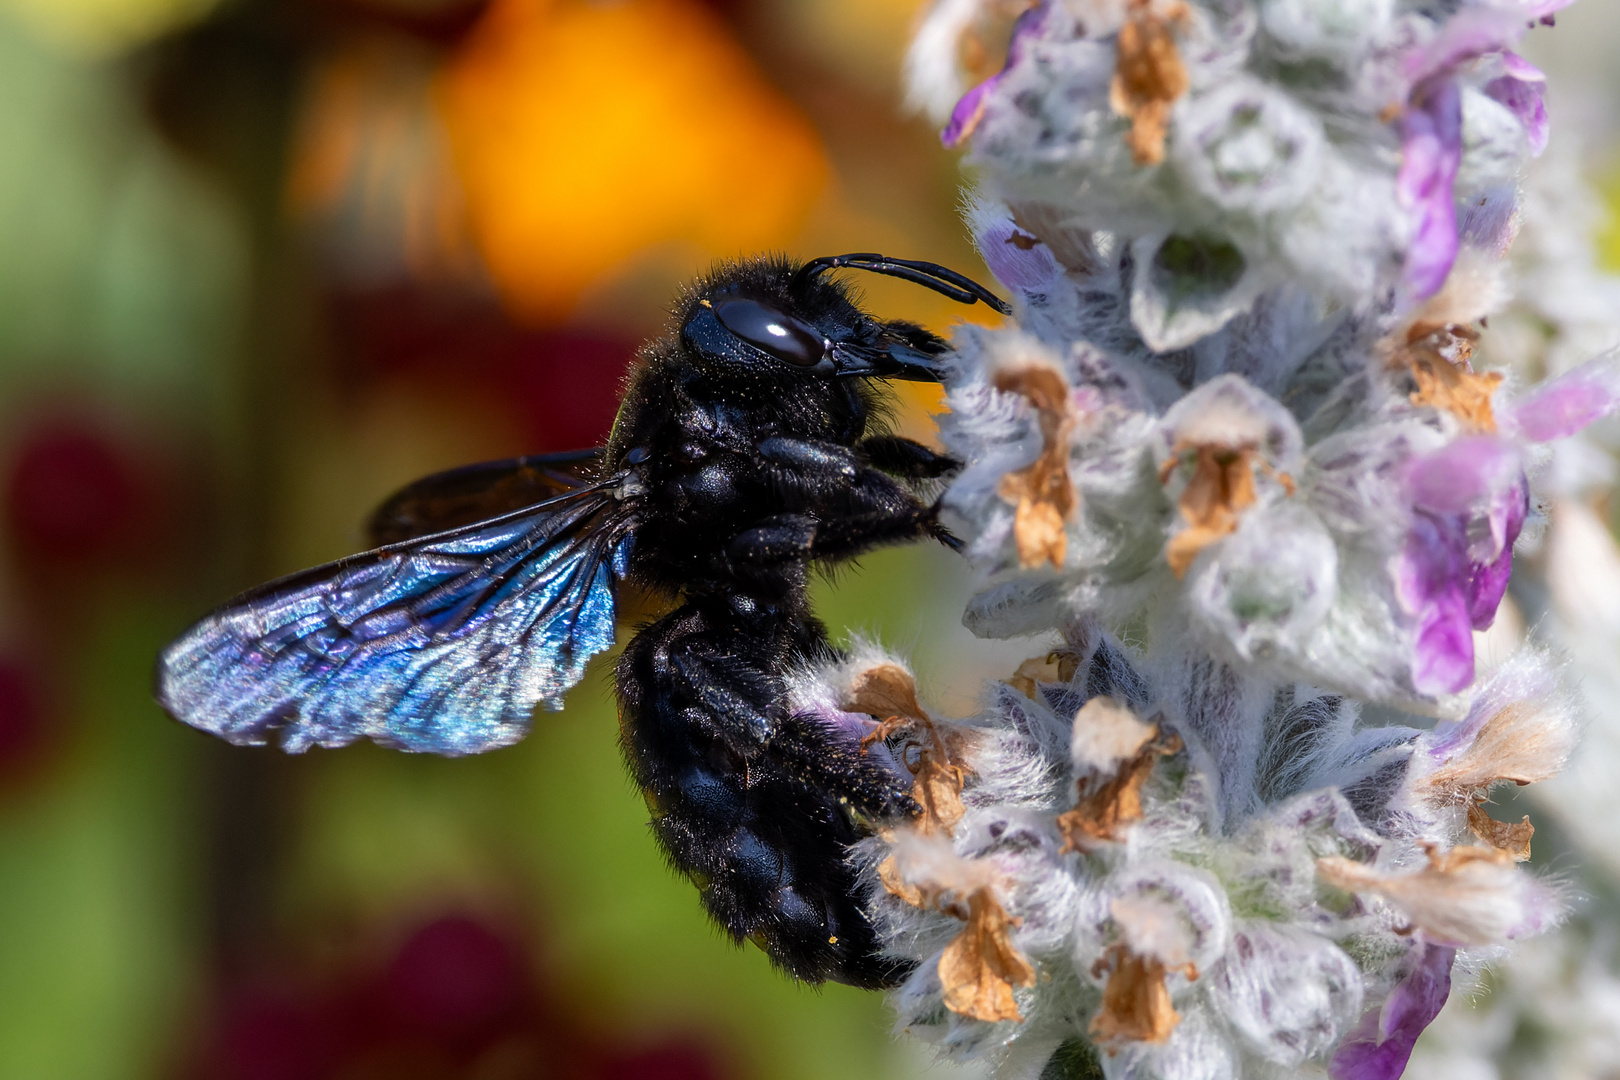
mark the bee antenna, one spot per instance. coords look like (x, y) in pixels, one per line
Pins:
(958, 287)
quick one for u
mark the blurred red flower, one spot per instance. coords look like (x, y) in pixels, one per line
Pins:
(74, 493)
(457, 1000)
(561, 386)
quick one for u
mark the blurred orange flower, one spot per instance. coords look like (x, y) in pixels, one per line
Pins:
(585, 133)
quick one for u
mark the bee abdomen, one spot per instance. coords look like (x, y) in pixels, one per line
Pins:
(767, 851)
(768, 857)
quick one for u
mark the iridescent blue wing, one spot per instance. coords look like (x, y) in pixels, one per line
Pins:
(441, 644)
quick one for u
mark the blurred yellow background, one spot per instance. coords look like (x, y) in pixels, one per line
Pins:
(260, 263)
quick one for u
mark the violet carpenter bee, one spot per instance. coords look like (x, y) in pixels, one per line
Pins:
(741, 458)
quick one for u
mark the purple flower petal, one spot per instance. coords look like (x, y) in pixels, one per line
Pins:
(1521, 90)
(1431, 580)
(1431, 128)
(1520, 68)
(1472, 32)
(1454, 584)
(1443, 655)
(969, 111)
(1017, 259)
(1452, 479)
(1491, 221)
(1486, 587)
(1381, 1044)
(1489, 570)
(1563, 406)
(1431, 151)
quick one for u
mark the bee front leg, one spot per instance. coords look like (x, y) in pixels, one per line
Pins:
(846, 537)
(811, 458)
(793, 536)
(776, 540)
(905, 458)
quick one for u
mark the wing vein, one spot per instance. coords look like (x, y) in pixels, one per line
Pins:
(443, 643)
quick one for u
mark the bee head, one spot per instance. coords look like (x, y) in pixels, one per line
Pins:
(777, 317)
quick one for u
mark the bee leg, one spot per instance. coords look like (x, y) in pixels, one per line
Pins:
(810, 458)
(729, 708)
(881, 509)
(830, 478)
(821, 759)
(805, 747)
(942, 534)
(823, 477)
(905, 458)
(792, 536)
(784, 537)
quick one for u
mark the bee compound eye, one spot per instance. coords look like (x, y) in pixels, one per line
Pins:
(772, 331)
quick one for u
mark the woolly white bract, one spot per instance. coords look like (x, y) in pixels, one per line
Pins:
(1235, 449)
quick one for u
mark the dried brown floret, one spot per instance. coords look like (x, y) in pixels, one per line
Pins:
(1517, 744)
(1136, 1002)
(1438, 359)
(1109, 801)
(1041, 491)
(888, 692)
(980, 966)
(1222, 486)
(1148, 78)
(1504, 835)
(895, 884)
(1465, 896)
(1036, 670)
